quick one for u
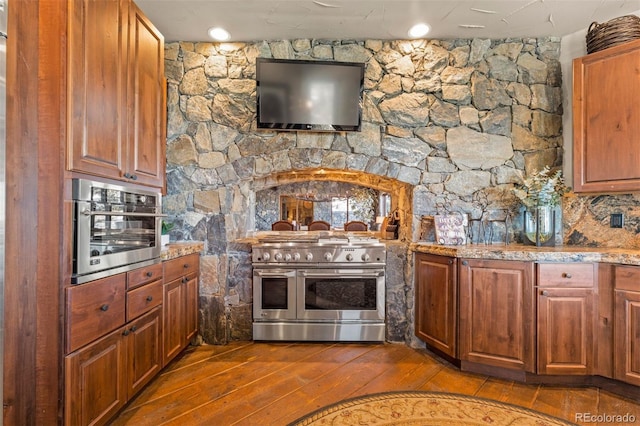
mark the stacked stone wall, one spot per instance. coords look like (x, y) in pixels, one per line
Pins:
(459, 122)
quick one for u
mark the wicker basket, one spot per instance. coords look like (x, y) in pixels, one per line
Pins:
(616, 31)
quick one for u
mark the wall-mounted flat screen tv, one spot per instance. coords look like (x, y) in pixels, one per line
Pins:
(318, 96)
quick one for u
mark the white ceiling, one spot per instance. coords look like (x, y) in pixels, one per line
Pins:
(250, 20)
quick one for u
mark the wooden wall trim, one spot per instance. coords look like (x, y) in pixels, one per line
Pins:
(35, 167)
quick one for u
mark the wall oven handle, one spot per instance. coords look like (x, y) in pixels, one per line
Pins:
(343, 273)
(101, 213)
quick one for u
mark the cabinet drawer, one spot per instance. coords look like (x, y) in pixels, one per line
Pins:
(144, 275)
(143, 299)
(627, 278)
(181, 266)
(566, 275)
(94, 309)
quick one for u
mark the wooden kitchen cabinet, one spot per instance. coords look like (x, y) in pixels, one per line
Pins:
(180, 302)
(626, 362)
(436, 302)
(101, 377)
(606, 120)
(93, 309)
(497, 317)
(147, 103)
(114, 342)
(116, 93)
(565, 318)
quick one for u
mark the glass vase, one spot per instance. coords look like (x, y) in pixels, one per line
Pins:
(540, 225)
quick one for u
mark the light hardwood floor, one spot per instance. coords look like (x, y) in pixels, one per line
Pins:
(248, 383)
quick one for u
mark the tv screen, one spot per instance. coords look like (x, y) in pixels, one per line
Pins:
(309, 95)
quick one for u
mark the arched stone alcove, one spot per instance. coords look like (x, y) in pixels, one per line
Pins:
(401, 192)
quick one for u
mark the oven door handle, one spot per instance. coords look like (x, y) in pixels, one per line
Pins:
(342, 272)
(277, 274)
(105, 213)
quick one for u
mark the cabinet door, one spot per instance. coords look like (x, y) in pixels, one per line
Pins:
(97, 85)
(191, 307)
(606, 88)
(496, 313)
(565, 331)
(144, 349)
(147, 93)
(435, 284)
(173, 327)
(627, 337)
(95, 387)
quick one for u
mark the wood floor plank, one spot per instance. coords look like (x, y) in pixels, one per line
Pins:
(452, 380)
(229, 409)
(508, 391)
(184, 374)
(565, 403)
(615, 406)
(409, 373)
(258, 365)
(341, 383)
(252, 383)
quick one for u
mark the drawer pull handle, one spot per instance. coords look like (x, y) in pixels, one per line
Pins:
(465, 263)
(133, 329)
(104, 308)
(149, 274)
(544, 293)
(186, 266)
(149, 298)
(566, 275)
(125, 332)
(184, 280)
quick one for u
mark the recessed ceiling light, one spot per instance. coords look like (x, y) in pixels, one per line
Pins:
(419, 30)
(219, 34)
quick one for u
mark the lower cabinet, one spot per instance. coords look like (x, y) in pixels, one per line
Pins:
(566, 318)
(102, 376)
(180, 301)
(626, 361)
(496, 313)
(436, 302)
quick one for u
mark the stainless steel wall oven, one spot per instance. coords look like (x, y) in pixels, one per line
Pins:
(324, 290)
(116, 229)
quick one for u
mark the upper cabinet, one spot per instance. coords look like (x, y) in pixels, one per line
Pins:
(115, 93)
(606, 120)
(147, 102)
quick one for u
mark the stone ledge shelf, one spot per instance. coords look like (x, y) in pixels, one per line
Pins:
(178, 249)
(532, 253)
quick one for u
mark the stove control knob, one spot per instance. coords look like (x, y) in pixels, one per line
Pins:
(287, 257)
(278, 257)
(349, 257)
(328, 256)
(266, 257)
(296, 256)
(309, 257)
(366, 257)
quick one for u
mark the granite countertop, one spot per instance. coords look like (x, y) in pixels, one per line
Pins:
(181, 248)
(532, 253)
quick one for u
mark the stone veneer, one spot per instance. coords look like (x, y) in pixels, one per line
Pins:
(448, 126)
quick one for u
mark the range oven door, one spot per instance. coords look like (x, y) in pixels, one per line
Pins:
(274, 294)
(342, 294)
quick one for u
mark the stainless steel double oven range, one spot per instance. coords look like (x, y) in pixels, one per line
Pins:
(116, 229)
(319, 289)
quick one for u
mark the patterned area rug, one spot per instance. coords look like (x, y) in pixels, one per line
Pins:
(424, 408)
